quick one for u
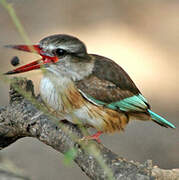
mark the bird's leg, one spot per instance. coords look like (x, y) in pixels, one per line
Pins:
(93, 137)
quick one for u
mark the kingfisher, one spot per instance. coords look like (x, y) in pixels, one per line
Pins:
(86, 89)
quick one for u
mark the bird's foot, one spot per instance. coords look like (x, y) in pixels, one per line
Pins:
(93, 137)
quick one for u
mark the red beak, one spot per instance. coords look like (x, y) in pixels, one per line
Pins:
(35, 64)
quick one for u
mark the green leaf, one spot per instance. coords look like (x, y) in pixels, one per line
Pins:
(70, 156)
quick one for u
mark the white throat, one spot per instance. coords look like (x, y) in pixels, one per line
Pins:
(52, 89)
(72, 70)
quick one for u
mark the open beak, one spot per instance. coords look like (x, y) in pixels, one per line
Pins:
(35, 64)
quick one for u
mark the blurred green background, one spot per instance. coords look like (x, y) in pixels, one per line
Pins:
(141, 36)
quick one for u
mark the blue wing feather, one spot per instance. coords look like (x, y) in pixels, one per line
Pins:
(133, 103)
(160, 120)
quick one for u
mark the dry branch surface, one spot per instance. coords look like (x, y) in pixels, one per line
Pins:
(22, 118)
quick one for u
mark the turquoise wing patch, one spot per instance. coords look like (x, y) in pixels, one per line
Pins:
(133, 103)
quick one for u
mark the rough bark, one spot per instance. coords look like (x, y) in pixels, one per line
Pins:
(22, 118)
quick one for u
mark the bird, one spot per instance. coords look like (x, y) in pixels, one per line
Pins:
(86, 89)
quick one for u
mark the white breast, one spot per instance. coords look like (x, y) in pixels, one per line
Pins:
(49, 93)
(52, 89)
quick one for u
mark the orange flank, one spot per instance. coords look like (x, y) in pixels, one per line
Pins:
(112, 120)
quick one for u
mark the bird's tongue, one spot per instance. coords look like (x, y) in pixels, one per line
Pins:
(35, 64)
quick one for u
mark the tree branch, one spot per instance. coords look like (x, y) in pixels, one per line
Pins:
(22, 118)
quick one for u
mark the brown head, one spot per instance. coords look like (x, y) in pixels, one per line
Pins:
(56, 50)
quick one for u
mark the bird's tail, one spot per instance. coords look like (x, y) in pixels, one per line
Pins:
(160, 120)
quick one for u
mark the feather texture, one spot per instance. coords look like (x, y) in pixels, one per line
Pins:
(130, 104)
(160, 120)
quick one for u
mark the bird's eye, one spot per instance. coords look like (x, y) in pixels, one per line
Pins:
(60, 52)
